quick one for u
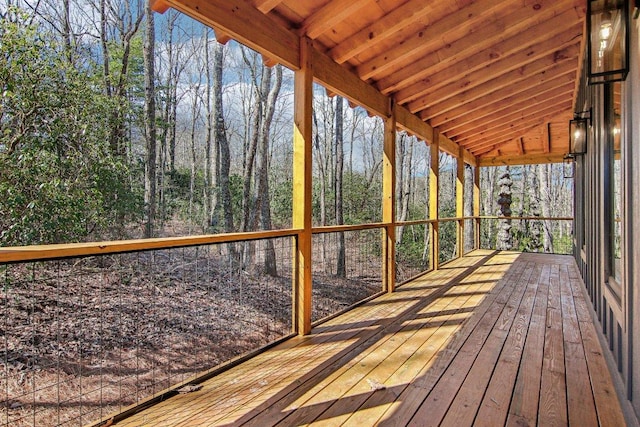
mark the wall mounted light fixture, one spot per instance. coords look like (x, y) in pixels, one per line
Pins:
(578, 128)
(608, 38)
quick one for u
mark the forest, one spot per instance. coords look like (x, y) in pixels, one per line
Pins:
(120, 123)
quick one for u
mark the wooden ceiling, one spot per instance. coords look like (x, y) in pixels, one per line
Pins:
(495, 77)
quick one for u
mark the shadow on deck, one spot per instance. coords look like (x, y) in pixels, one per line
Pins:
(493, 338)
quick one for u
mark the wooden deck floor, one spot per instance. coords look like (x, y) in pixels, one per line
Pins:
(491, 339)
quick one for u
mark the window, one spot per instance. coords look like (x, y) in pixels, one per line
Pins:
(615, 208)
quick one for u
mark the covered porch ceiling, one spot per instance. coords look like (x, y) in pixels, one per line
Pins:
(496, 78)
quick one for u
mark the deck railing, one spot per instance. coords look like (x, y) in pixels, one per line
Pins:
(94, 329)
(413, 249)
(346, 267)
(91, 329)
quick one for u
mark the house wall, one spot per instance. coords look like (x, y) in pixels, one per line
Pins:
(633, 223)
(614, 301)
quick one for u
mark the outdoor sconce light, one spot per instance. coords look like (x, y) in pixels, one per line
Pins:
(567, 166)
(608, 38)
(577, 136)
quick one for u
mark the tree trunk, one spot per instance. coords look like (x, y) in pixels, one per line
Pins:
(221, 141)
(404, 184)
(208, 192)
(192, 145)
(504, 239)
(536, 226)
(489, 200)
(545, 206)
(262, 195)
(150, 125)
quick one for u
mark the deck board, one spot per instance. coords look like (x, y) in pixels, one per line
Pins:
(490, 339)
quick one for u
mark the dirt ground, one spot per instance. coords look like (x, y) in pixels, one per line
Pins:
(85, 338)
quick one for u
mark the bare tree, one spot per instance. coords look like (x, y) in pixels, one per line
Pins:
(545, 206)
(125, 18)
(150, 124)
(220, 139)
(504, 239)
(404, 183)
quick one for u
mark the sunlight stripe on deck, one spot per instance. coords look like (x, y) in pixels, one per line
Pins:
(493, 338)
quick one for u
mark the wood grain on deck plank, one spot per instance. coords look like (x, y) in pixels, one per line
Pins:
(490, 339)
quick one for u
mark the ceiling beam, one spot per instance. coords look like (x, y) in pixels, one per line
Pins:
(515, 130)
(507, 85)
(266, 6)
(483, 82)
(527, 159)
(247, 25)
(491, 62)
(534, 110)
(456, 25)
(464, 55)
(516, 93)
(329, 15)
(383, 28)
(495, 110)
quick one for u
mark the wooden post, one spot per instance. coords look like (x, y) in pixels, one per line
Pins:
(476, 205)
(460, 202)
(389, 203)
(302, 167)
(434, 198)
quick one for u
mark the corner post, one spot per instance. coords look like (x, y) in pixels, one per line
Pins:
(389, 202)
(460, 202)
(476, 205)
(434, 198)
(302, 168)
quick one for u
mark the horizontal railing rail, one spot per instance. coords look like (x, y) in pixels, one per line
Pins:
(66, 250)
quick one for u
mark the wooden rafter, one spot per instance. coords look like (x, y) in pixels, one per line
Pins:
(377, 32)
(330, 14)
(463, 55)
(266, 6)
(490, 63)
(543, 109)
(507, 78)
(507, 135)
(430, 37)
(497, 90)
(515, 94)
(481, 117)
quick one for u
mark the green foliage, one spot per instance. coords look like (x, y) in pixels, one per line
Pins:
(58, 180)
(282, 203)
(410, 250)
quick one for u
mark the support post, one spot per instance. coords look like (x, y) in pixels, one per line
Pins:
(302, 167)
(389, 202)
(460, 202)
(434, 198)
(476, 205)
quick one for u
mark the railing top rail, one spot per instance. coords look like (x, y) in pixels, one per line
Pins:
(415, 222)
(67, 250)
(350, 227)
(531, 218)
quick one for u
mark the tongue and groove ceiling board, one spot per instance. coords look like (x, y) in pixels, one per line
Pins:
(497, 78)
